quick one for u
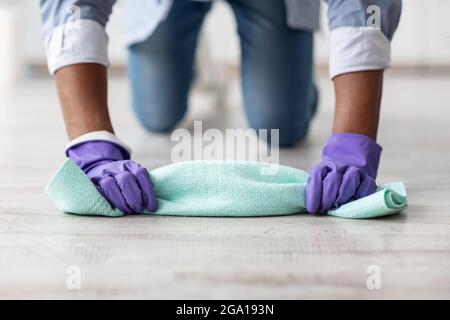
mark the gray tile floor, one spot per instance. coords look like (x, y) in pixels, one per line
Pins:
(282, 257)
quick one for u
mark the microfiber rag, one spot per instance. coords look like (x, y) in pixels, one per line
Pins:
(219, 188)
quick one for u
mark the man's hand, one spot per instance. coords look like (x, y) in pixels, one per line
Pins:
(347, 172)
(124, 183)
(82, 89)
(351, 156)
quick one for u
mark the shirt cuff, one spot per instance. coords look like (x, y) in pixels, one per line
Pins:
(98, 136)
(82, 41)
(358, 49)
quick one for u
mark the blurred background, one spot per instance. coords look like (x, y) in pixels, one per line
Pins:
(422, 42)
(219, 258)
(415, 94)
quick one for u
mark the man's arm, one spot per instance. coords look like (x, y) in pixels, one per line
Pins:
(358, 97)
(360, 35)
(82, 90)
(360, 31)
(76, 48)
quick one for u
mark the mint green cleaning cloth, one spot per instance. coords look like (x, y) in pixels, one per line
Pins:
(218, 188)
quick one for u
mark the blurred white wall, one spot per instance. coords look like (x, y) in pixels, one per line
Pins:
(10, 55)
(423, 37)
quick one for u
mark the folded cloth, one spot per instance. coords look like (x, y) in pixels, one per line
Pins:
(219, 188)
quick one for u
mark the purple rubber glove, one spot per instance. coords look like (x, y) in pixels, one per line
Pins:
(347, 172)
(123, 182)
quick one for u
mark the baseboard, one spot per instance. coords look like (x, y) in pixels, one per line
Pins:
(38, 70)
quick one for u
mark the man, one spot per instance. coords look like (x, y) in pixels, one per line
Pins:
(277, 58)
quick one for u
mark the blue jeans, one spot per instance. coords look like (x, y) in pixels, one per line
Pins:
(277, 62)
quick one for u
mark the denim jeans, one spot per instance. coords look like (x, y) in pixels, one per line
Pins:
(276, 68)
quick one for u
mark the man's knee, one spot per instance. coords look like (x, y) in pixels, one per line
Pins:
(291, 117)
(161, 120)
(287, 134)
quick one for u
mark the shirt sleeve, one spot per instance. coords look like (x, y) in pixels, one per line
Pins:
(360, 34)
(74, 31)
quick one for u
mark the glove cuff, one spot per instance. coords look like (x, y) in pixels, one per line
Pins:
(353, 149)
(99, 136)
